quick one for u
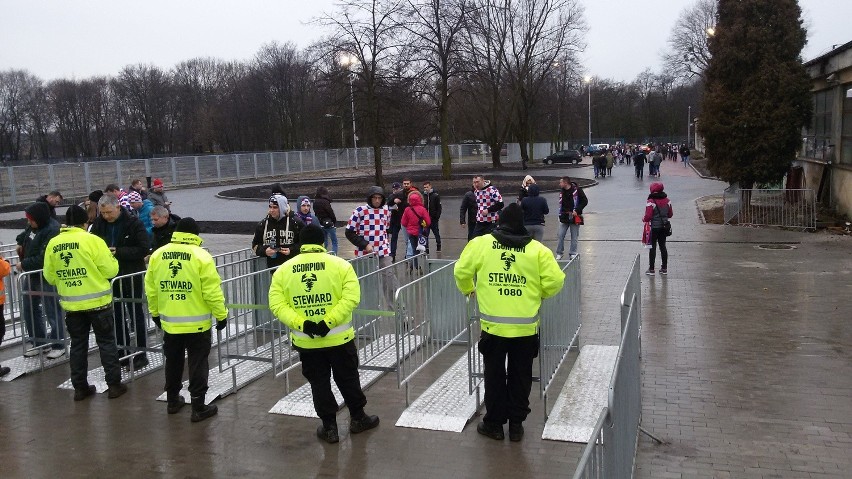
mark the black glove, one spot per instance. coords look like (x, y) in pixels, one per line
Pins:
(221, 323)
(315, 329)
(156, 320)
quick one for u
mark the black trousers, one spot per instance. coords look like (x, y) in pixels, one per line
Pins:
(658, 237)
(197, 348)
(507, 383)
(78, 324)
(318, 365)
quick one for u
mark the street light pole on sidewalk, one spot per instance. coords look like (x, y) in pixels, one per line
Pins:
(588, 80)
(688, 123)
(347, 61)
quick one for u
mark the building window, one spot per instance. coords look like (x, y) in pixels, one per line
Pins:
(846, 135)
(818, 138)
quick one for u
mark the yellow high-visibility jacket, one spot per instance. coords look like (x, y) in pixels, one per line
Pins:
(80, 265)
(183, 287)
(510, 283)
(315, 286)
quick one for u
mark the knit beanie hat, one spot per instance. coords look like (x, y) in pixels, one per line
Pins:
(187, 225)
(311, 234)
(76, 216)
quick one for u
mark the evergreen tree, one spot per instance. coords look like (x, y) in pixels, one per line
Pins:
(757, 92)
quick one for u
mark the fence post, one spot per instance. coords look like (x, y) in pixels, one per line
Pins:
(301, 166)
(174, 171)
(254, 157)
(197, 172)
(118, 172)
(14, 193)
(237, 163)
(287, 161)
(86, 176)
(271, 163)
(51, 180)
(218, 170)
(147, 167)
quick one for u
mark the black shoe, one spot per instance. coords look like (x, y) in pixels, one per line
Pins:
(516, 431)
(116, 390)
(4, 370)
(140, 362)
(438, 249)
(363, 423)
(176, 404)
(494, 431)
(328, 433)
(80, 394)
(201, 411)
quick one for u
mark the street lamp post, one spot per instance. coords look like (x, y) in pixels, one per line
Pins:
(588, 80)
(347, 61)
(688, 123)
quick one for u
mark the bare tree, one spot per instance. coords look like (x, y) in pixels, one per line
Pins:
(144, 96)
(437, 27)
(366, 35)
(688, 54)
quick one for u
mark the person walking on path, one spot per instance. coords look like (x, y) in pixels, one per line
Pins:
(535, 208)
(684, 155)
(432, 203)
(415, 220)
(639, 160)
(513, 274)
(467, 212)
(38, 295)
(184, 292)
(367, 230)
(572, 201)
(327, 218)
(5, 269)
(397, 201)
(489, 202)
(321, 329)
(658, 210)
(81, 265)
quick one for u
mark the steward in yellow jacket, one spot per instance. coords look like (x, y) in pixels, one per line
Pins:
(513, 274)
(184, 295)
(314, 294)
(80, 265)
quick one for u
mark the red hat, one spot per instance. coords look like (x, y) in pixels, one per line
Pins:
(29, 217)
(158, 183)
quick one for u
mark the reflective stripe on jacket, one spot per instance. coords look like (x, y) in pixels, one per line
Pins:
(183, 287)
(80, 265)
(510, 283)
(315, 286)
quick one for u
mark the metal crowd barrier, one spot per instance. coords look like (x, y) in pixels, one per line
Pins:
(791, 208)
(12, 308)
(40, 310)
(430, 317)
(611, 448)
(633, 288)
(559, 330)
(131, 319)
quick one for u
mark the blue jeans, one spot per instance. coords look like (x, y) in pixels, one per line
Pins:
(31, 311)
(685, 160)
(330, 238)
(560, 241)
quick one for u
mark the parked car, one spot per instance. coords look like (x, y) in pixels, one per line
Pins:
(596, 148)
(564, 156)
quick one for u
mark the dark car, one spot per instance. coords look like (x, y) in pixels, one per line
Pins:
(564, 156)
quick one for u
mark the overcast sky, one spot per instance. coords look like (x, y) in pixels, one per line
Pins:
(82, 38)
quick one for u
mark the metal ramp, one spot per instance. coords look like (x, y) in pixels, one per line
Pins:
(222, 383)
(300, 402)
(447, 404)
(22, 365)
(584, 394)
(96, 376)
(14, 336)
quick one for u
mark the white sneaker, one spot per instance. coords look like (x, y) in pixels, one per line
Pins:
(32, 352)
(558, 257)
(55, 353)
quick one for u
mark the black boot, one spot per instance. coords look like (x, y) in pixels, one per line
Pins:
(516, 431)
(116, 390)
(201, 411)
(494, 431)
(175, 403)
(327, 431)
(362, 422)
(4, 370)
(83, 393)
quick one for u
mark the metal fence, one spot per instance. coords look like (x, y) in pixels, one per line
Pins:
(42, 325)
(22, 184)
(559, 329)
(791, 208)
(611, 449)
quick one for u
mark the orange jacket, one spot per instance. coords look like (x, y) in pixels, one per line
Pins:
(5, 269)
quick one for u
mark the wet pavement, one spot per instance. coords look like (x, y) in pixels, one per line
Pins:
(747, 368)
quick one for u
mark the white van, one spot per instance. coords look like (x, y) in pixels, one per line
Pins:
(597, 147)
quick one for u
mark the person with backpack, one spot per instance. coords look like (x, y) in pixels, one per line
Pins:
(658, 210)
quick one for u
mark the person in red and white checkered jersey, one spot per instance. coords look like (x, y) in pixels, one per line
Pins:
(367, 229)
(489, 202)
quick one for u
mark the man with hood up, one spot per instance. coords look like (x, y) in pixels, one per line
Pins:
(513, 274)
(275, 237)
(304, 212)
(32, 244)
(415, 219)
(367, 229)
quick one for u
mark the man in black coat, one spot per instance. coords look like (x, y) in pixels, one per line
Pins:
(164, 225)
(432, 202)
(129, 242)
